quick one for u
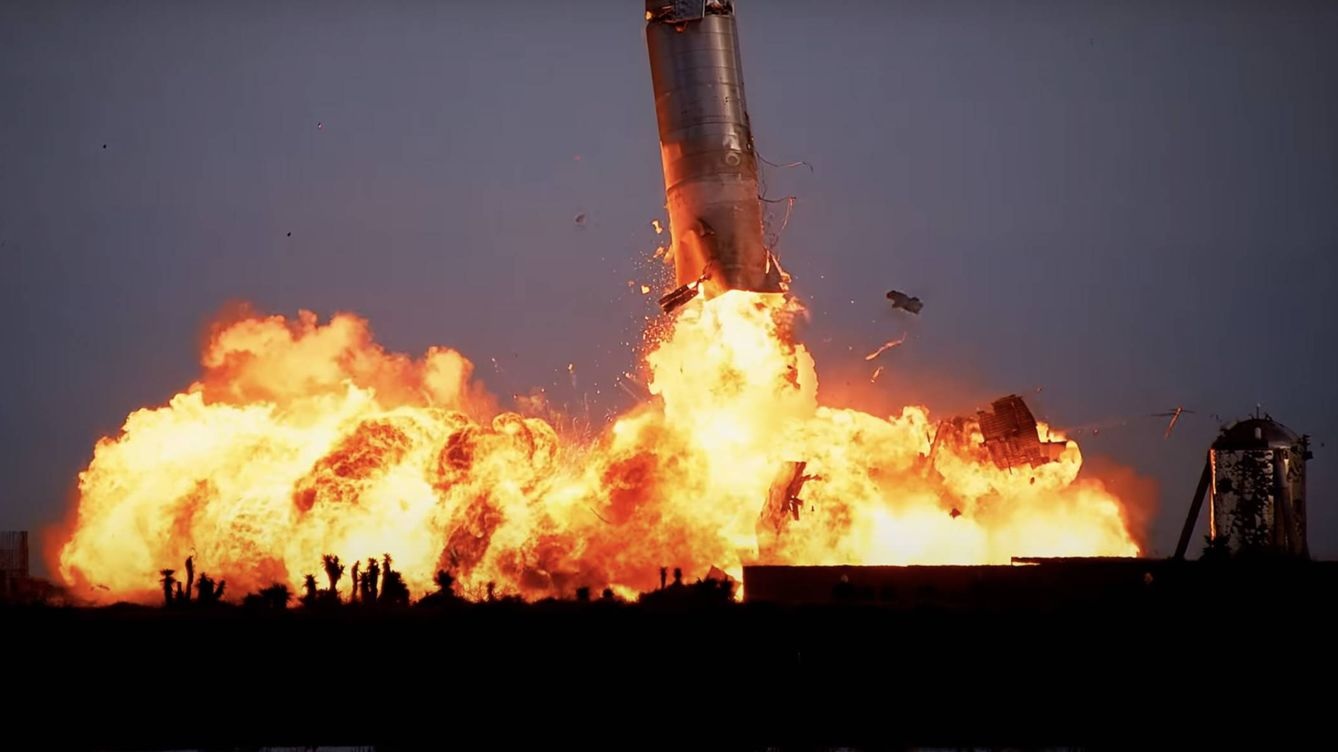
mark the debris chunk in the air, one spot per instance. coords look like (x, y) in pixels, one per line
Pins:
(678, 297)
(905, 302)
(659, 228)
(876, 373)
(320, 126)
(645, 289)
(580, 218)
(888, 345)
(955, 513)
(1174, 415)
(1010, 434)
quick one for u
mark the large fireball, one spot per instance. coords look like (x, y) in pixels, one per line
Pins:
(302, 439)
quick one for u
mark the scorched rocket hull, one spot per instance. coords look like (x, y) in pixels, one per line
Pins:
(706, 144)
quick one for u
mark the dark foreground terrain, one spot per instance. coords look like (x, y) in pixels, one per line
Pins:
(1233, 655)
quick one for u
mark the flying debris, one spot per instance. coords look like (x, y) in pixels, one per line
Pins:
(1011, 436)
(659, 228)
(783, 502)
(678, 297)
(888, 345)
(580, 218)
(1174, 415)
(955, 513)
(876, 373)
(320, 126)
(630, 391)
(684, 293)
(906, 302)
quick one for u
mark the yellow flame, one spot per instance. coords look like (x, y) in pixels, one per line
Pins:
(302, 439)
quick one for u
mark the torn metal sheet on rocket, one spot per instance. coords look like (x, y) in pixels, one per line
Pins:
(1012, 436)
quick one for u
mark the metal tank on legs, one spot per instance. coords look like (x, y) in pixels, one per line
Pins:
(1254, 482)
(706, 145)
(1258, 488)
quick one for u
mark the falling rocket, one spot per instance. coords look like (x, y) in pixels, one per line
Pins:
(706, 145)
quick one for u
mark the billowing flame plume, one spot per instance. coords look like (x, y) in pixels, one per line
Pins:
(302, 439)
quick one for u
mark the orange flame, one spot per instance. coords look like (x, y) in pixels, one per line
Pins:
(303, 438)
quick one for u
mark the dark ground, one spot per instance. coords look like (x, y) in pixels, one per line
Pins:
(1207, 659)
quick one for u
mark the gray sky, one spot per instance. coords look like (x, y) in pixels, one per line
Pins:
(1130, 205)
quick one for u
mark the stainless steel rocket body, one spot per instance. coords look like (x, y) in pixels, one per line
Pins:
(706, 145)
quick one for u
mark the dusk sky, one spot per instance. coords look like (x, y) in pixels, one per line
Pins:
(1112, 209)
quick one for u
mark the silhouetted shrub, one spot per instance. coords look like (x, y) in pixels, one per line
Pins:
(273, 597)
(445, 593)
(333, 572)
(210, 592)
(168, 581)
(310, 596)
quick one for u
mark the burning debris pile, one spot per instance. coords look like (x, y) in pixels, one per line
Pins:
(302, 437)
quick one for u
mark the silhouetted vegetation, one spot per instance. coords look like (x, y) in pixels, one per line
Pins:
(309, 595)
(444, 594)
(274, 597)
(392, 590)
(1056, 644)
(381, 586)
(168, 581)
(210, 592)
(334, 571)
(370, 581)
(711, 591)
